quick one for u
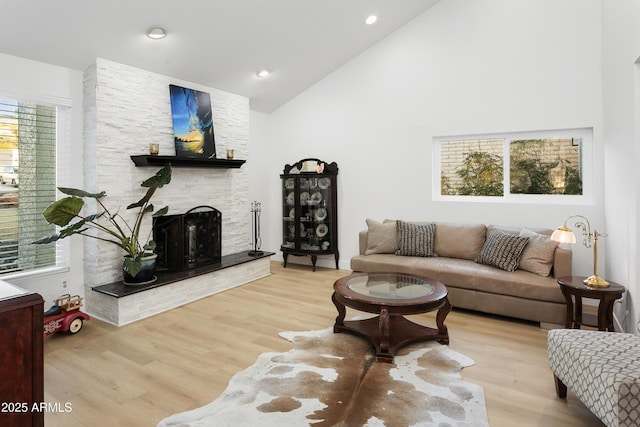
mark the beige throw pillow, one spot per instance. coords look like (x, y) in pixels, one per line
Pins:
(381, 237)
(537, 256)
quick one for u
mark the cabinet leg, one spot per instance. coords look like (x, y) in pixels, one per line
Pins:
(284, 256)
(337, 255)
(314, 258)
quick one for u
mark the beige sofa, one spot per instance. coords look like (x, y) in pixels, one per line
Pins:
(473, 260)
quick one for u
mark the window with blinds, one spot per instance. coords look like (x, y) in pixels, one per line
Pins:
(27, 184)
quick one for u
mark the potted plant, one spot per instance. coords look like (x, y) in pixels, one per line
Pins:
(111, 227)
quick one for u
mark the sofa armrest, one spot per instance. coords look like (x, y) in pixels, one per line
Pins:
(562, 261)
(362, 238)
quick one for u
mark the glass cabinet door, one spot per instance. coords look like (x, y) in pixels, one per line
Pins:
(288, 213)
(315, 207)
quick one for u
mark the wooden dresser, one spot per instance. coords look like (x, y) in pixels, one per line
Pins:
(21, 357)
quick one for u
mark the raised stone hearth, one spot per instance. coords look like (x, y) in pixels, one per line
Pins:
(119, 305)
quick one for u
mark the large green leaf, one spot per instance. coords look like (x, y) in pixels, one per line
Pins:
(66, 232)
(161, 178)
(81, 193)
(47, 239)
(144, 200)
(93, 216)
(132, 265)
(62, 211)
(150, 247)
(161, 212)
(78, 227)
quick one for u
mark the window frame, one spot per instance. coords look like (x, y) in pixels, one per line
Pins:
(64, 112)
(586, 198)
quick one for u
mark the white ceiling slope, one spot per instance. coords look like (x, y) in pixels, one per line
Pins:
(215, 43)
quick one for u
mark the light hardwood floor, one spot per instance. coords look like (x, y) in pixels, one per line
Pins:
(138, 374)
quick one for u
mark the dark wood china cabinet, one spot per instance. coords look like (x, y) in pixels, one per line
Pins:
(310, 210)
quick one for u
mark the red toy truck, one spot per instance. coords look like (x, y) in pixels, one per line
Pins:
(64, 315)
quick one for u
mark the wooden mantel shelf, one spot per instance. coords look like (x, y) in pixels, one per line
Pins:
(148, 160)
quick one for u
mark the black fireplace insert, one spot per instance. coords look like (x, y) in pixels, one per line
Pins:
(188, 240)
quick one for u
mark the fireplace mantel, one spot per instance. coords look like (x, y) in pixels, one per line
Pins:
(149, 160)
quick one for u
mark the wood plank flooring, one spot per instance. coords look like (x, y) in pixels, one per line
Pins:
(138, 374)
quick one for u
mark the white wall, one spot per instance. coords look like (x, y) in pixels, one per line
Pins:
(261, 181)
(621, 84)
(460, 68)
(26, 79)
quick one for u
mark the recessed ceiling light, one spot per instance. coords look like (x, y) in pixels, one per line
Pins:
(371, 19)
(262, 73)
(156, 33)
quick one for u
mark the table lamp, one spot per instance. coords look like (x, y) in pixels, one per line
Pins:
(565, 235)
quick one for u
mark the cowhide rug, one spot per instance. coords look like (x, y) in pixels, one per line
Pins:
(332, 379)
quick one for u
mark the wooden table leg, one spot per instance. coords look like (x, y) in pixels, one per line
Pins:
(443, 311)
(577, 321)
(568, 322)
(342, 312)
(384, 330)
(605, 314)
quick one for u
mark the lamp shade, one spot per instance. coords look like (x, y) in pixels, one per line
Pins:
(563, 235)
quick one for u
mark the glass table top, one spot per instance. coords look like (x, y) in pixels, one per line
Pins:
(390, 286)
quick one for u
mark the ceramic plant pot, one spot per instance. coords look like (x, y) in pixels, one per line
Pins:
(146, 275)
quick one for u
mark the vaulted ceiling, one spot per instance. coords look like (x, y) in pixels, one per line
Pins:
(215, 43)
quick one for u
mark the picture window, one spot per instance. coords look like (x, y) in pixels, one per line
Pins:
(525, 167)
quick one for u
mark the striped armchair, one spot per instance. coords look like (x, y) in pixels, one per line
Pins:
(602, 369)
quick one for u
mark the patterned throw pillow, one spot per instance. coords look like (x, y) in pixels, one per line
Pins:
(414, 239)
(381, 237)
(502, 250)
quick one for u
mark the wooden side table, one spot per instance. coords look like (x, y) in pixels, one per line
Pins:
(573, 287)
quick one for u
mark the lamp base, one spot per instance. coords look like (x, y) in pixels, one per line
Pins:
(596, 282)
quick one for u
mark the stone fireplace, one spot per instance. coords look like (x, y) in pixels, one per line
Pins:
(126, 109)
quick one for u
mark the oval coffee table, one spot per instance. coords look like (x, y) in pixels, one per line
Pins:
(391, 295)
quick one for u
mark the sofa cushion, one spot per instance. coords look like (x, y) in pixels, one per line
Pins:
(537, 256)
(381, 237)
(466, 274)
(415, 239)
(462, 241)
(502, 250)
